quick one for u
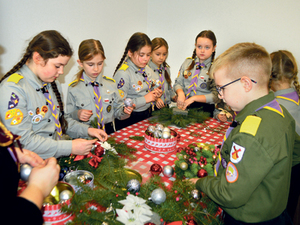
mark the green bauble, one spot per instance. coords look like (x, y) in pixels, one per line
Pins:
(183, 166)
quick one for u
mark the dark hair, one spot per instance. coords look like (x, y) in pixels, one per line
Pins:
(206, 34)
(49, 44)
(87, 50)
(135, 43)
(156, 44)
(284, 66)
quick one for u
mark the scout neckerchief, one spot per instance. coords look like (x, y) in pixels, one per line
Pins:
(272, 105)
(55, 114)
(194, 81)
(142, 71)
(293, 97)
(162, 81)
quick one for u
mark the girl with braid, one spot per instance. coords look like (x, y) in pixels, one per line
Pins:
(193, 85)
(135, 80)
(93, 96)
(284, 83)
(31, 104)
(159, 66)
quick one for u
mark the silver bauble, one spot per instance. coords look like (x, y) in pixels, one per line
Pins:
(195, 194)
(65, 195)
(166, 135)
(159, 127)
(197, 149)
(128, 102)
(157, 133)
(133, 185)
(158, 196)
(25, 171)
(168, 171)
(166, 129)
(183, 166)
(151, 128)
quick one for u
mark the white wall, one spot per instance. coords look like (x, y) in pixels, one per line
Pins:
(275, 24)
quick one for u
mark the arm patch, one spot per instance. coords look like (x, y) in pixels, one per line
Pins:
(124, 67)
(250, 125)
(15, 78)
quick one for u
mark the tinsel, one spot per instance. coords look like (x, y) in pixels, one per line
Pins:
(110, 181)
(166, 117)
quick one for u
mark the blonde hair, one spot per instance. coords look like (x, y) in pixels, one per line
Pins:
(245, 59)
(284, 66)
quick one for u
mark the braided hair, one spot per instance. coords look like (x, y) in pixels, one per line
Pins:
(156, 44)
(49, 44)
(87, 50)
(205, 34)
(135, 43)
(284, 66)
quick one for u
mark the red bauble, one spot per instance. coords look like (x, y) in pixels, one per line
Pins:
(155, 169)
(202, 173)
(99, 151)
(191, 222)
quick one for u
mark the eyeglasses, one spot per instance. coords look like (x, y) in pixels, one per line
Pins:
(219, 89)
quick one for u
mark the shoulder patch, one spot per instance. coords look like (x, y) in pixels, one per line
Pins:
(232, 174)
(108, 78)
(124, 67)
(250, 125)
(15, 78)
(189, 58)
(73, 83)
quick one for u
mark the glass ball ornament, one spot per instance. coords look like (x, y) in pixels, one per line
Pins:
(157, 133)
(166, 129)
(158, 196)
(196, 194)
(25, 171)
(202, 173)
(183, 166)
(155, 169)
(65, 195)
(151, 128)
(133, 185)
(159, 127)
(166, 135)
(168, 171)
(128, 102)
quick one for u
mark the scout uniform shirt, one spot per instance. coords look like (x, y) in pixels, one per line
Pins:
(168, 91)
(81, 96)
(203, 86)
(252, 184)
(132, 84)
(25, 112)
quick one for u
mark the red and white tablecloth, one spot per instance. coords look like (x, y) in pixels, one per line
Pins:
(211, 132)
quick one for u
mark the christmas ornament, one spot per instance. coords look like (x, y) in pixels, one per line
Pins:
(158, 196)
(133, 185)
(155, 169)
(166, 129)
(104, 223)
(25, 171)
(128, 102)
(63, 172)
(151, 128)
(195, 194)
(65, 195)
(159, 127)
(184, 166)
(191, 222)
(166, 135)
(157, 133)
(168, 171)
(202, 173)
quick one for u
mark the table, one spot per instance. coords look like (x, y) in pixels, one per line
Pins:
(211, 132)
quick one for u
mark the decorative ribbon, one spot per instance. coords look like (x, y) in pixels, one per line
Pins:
(142, 71)
(194, 81)
(53, 110)
(95, 159)
(162, 82)
(98, 104)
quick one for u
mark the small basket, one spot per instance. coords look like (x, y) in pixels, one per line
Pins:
(161, 145)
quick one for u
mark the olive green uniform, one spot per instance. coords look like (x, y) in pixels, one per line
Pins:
(253, 179)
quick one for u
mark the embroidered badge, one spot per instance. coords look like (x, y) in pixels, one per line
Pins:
(14, 100)
(108, 109)
(17, 118)
(140, 83)
(133, 85)
(138, 89)
(37, 110)
(121, 83)
(10, 114)
(106, 100)
(236, 153)
(30, 113)
(36, 119)
(121, 93)
(107, 91)
(203, 85)
(185, 74)
(42, 114)
(44, 109)
(232, 173)
(202, 77)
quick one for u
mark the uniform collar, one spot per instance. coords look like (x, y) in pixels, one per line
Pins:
(251, 107)
(132, 65)
(87, 79)
(207, 62)
(31, 77)
(153, 66)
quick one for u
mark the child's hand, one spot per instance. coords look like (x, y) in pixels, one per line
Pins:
(193, 180)
(187, 102)
(150, 97)
(84, 114)
(159, 103)
(29, 157)
(222, 117)
(128, 110)
(180, 101)
(158, 92)
(98, 133)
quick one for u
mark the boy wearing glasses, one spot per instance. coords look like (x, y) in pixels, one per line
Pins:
(253, 172)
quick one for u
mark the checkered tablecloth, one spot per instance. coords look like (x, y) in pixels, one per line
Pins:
(211, 132)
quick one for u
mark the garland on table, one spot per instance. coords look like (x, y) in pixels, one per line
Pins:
(166, 117)
(99, 205)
